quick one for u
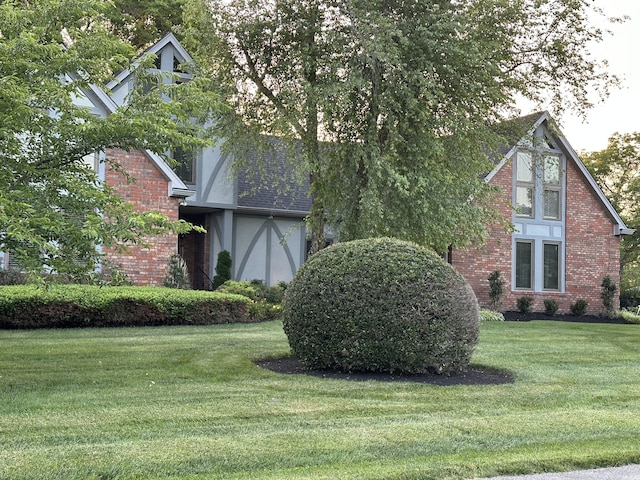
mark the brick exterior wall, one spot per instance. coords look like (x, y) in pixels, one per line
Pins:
(475, 264)
(143, 266)
(592, 250)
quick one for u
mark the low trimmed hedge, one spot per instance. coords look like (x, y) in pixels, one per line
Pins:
(68, 306)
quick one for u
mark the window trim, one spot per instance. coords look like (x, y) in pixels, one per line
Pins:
(552, 187)
(532, 268)
(530, 185)
(558, 266)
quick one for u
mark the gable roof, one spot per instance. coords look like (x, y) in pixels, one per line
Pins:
(176, 187)
(520, 128)
(168, 40)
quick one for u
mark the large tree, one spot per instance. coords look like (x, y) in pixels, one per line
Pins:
(388, 105)
(54, 211)
(144, 21)
(616, 169)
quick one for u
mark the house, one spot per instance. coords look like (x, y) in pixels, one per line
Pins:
(263, 229)
(566, 234)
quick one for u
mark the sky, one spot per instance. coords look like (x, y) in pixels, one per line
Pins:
(620, 112)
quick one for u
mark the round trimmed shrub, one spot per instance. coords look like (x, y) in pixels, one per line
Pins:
(381, 305)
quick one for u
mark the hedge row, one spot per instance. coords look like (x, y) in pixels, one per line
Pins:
(66, 306)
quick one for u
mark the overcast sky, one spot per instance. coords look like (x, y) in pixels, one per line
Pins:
(621, 111)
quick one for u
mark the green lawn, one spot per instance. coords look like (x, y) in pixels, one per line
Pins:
(187, 402)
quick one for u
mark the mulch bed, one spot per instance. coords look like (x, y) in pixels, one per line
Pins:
(474, 375)
(527, 317)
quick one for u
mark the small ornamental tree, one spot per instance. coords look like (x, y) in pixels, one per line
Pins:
(177, 273)
(496, 289)
(223, 269)
(381, 305)
(608, 295)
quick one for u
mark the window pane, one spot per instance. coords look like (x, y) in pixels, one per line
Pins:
(185, 164)
(551, 204)
(524, 167)
(523, 264)
(524, 201)
(551, 264)
(552, 169)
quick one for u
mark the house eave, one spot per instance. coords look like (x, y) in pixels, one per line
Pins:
(623, 230)
(179, 192)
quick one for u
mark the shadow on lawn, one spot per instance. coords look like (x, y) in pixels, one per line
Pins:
(474, 375)
(527, 317)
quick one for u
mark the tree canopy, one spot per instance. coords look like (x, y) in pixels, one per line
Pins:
(55, 213)
(616, 169)
(388, 106)
(143, 22)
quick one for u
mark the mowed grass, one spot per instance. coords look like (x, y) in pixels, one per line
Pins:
(189, 403)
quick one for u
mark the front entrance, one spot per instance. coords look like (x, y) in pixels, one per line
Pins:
(194, 249)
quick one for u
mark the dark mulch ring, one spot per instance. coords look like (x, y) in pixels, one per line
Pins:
(527, 317)
(474, 375)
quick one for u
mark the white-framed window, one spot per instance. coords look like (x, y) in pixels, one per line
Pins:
(551, 266)
(552, 186)
(537, 265)
(525, 184)
(538, 185)
(524, 266)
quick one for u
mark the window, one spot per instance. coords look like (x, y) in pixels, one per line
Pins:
(551, 186)
(185, 164)
(524, 265)
(525, 184)
(551, 265)
(538, 189)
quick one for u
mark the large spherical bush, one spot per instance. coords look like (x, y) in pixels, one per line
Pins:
(381, 305)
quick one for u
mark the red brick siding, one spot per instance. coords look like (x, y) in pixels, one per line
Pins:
(475, 264)
(592, 251)
(144, 266)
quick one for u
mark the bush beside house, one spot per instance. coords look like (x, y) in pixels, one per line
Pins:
(64, 306)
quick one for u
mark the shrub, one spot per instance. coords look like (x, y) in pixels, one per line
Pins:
(177, 273)
(630, 297)
(112, 275)
(579, 308)
(380, 305)
(223, 269)
(266, 300)
(490, 316)
(550, 307)
(239, 288)
(629, 316)
(496, 289)
(608, 295)
(28, 306)
(524, 304)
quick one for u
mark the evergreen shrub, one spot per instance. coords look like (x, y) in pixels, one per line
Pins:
(496, 289)
(608, 295)
(579, 308)
(64, 306)
(223, 269)
(550, 307)
(380, 305)
(266, 300)
(524, 304)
